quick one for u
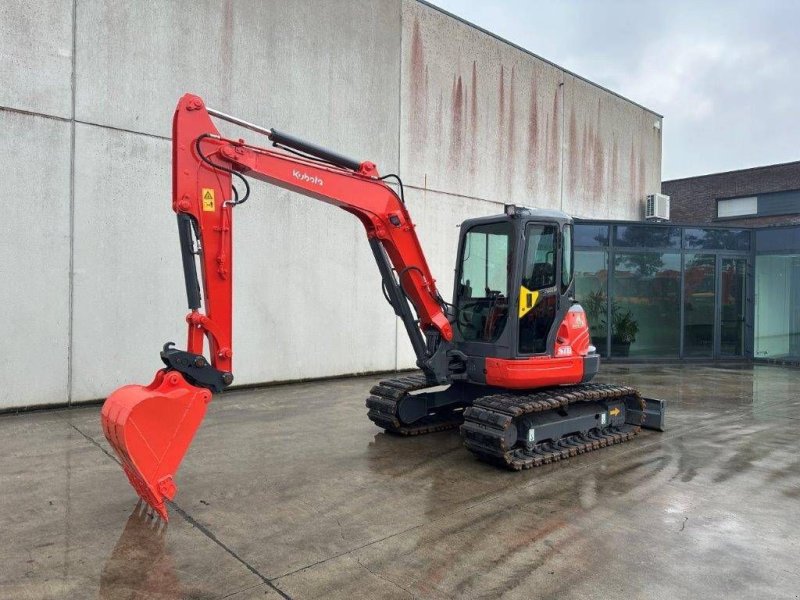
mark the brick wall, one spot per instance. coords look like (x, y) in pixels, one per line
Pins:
(693, 200)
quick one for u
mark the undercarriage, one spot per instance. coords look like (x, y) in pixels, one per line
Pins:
(517, 430)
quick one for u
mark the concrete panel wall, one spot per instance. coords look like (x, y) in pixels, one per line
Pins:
(482, 118)
(128, 292)
(36, 56)
(468, 121)
(34, 270)
(306, 283)
(612, 153)
(325, 70)
(308, 293)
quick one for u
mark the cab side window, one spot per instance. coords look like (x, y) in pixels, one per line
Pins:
(566, 258)
(537, 310)
(539, 270)
(483, 288)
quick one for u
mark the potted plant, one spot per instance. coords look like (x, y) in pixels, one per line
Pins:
(623, 331)
(595, 305)
(623, 326)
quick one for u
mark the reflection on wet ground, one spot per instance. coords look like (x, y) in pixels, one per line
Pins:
(139, 562)
(290, 492)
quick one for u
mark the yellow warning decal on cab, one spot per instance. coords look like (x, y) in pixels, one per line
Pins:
(208, 199)
(527, 300)
(614, 412)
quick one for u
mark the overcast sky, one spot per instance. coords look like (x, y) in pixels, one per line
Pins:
(725, 74)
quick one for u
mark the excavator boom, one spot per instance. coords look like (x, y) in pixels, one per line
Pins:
(150, 427)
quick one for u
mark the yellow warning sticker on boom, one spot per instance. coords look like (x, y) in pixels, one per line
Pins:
(527, 300)
(208, 199)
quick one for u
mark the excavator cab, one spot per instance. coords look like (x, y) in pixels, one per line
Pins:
(513, 294)
(489, 276)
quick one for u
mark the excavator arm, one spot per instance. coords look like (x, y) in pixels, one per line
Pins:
(151, 427)
(203, 165)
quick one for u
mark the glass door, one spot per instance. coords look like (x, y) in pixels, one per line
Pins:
(732, 305)
(699, 300)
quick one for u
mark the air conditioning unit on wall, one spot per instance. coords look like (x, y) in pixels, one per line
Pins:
(657, 207)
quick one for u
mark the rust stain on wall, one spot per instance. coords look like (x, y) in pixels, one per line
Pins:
(574, 153)
(502, 93)
(547, 158)
(501, 117)
(583, 172)
(554, 142)
(473, 121)
(511, 154)
(614, 171)
(632, 183)
(438, 125)
(457, 123)
(532, 162)
(419, 87)
(599, 175)
(556, 139)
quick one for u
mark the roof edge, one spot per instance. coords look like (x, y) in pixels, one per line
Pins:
(745, 170)
(536, 56)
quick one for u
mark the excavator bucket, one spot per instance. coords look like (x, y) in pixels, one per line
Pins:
(150, 428)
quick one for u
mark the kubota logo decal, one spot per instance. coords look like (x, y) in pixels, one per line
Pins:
(305, 177)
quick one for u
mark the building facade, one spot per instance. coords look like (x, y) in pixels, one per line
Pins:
(469, 121)
(757, 197)
(662, 291)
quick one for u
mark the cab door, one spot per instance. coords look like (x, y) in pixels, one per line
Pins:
(545, 283)
(482, 293)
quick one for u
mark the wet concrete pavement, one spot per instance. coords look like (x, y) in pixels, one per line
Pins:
(290, 491)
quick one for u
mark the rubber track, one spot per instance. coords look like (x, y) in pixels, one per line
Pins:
(486, 421)
(384, 401)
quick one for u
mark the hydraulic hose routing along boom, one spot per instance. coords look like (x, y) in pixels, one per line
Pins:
(513, 326)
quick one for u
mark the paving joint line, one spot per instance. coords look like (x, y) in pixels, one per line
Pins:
(491, 498)
(210, 535)
(201, 528)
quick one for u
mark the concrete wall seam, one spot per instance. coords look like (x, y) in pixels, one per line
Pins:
(71, 205)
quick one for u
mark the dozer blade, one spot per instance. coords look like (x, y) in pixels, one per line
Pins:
(150, 428)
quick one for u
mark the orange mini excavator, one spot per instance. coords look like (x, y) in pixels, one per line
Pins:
(513, 349)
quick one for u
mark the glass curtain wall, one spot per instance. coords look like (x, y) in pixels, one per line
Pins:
(733, 301)
(645, 306)
(661, 291)
(699, 294)
(777, 294)
(591, 287)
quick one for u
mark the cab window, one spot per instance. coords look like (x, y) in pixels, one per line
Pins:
(537, 310)
(539, 270)
(566, 258)
(482, 294)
